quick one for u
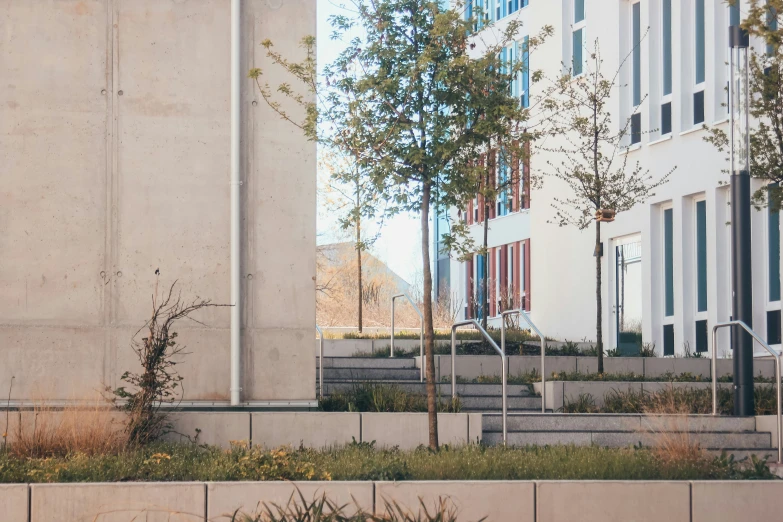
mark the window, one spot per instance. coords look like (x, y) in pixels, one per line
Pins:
(524, 93)
(668, 339)
(578, 38)
(734, 12)
(773, 245)
(701, 256)
(772, 24)
(668, 262)
(666, 76)
(701, 336)
(636, 80)
(699, 62)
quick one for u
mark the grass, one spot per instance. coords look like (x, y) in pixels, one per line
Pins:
(382, 397)
(533, 376)
(683, 400)
(188, 462)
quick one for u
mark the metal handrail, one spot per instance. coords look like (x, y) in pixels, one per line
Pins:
(503, 379)
(320, 361)
(777, 374)
(532, 326)
(421, 332)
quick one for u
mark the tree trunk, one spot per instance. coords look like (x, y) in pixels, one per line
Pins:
(359, 267)
(599, 334)
(429, 333)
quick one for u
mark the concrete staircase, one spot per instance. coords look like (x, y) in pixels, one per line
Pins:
(342, 373)
(735, 435)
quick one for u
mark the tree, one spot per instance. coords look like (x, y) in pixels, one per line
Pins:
(766, 102)
(590, 163)
(416, 110)
(355, 200)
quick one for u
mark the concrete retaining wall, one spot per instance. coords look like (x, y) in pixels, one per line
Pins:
(123, 170)
(498, 501)
(472, 366)
(560, 392)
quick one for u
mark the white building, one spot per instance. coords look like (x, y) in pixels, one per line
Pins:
(666, 264)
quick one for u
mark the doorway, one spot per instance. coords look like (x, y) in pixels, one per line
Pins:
(628, 295)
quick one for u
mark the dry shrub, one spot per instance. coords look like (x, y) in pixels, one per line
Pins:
(669, 424)
(94, 428)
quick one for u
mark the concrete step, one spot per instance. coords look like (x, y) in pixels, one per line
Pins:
(444, 390)
(483, 403)
(366, 362)
(597, 422)
(371, 374)
(707, 440)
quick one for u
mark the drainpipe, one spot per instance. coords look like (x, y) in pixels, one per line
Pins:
(236, 182)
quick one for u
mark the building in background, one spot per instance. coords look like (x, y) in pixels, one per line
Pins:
(666, 263)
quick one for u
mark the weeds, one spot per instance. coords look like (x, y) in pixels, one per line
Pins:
(188, 462)
(382, 397)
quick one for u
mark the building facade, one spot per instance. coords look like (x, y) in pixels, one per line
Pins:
(666, 262)
(115, 147)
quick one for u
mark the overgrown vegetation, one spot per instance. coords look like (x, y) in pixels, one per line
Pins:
(382, 397)
(157, 386)
(683, 400)
(321, 509)
(170, 462)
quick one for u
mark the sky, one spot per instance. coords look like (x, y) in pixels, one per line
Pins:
(399, 242)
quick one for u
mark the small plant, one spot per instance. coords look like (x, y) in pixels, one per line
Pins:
(585, 403)
(647, 350)
(382, 397)
(158, 385)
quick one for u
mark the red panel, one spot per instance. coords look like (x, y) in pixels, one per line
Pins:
(528, 300)
(515, 268)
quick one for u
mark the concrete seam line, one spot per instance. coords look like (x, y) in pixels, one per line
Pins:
(206, 502)
(361, 433)
(535, 501)
(690, 500)
(250, 429)
(29, 503)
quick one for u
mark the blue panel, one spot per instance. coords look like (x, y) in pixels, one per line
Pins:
(577, 46)
(734, 13)
(526, 72)
(699, 33)
(637, 53)
(667, 47)
(701, 255)
(668, 261)
(774, 254)
(480, 287)
(579, 10)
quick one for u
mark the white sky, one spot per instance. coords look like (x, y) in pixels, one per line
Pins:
(399, 244)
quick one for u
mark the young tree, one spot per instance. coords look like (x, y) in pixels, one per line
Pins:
(416, 110)
(601, 181)
(764, 23)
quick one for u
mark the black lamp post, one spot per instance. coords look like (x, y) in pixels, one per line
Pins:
(741, 280)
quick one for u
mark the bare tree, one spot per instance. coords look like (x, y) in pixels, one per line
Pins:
(158, 386)
(591, 162)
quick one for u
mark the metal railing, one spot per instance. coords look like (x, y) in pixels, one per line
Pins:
(777, 374)
(503, 378)
(421, 332)
(532, 326)
(320, 362)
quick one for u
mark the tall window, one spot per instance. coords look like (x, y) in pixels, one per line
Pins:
(668, 282)
(668, 262)
(636, 81)
(773, 277)
(772, 24)
(699, 62)
(666, 76)
(701, 256)
(579, 38)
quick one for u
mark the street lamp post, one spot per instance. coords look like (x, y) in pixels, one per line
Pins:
(741, 280)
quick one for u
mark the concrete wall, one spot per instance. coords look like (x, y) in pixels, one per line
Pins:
(114, 141)
(498, 501)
